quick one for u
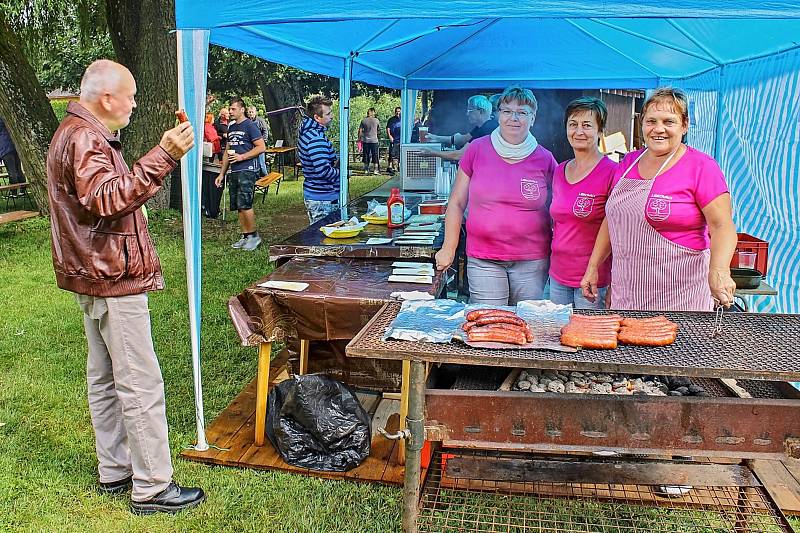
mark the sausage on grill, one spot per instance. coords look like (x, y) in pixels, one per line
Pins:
(477, 313)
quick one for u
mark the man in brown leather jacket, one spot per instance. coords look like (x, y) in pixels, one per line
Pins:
(103, 253)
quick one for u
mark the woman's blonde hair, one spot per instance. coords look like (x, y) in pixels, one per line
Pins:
(672, 96)
(515, 93)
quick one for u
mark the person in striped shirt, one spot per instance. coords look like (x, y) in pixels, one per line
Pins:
(319, 161)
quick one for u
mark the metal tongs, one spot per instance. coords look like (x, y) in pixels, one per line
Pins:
(717, 330)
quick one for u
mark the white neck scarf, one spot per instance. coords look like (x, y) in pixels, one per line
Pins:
(513, 152)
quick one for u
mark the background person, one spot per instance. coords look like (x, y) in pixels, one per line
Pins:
(210, 135)
(8, 153)
(368, 132)
(393, 129)
(245, 139)
(580, 189)
(505, 181)
(103, 253)
(263, 127)
(479, 116)
(668, 221)
(319, 160)
(221, 125)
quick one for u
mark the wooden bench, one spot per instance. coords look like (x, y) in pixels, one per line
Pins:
(14, 216)
(262, 185)
(14, 191)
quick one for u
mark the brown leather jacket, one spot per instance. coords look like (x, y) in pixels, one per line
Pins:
(100, 242)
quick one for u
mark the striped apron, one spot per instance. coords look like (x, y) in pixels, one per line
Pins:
(648, 271)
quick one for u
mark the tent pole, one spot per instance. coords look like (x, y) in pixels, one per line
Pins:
(408, 101)
(344, 127)
(718, 126)
(192, 74)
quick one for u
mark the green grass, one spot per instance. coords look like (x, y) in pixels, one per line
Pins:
(47, 460)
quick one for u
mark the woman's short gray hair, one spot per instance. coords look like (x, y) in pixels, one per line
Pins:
(481, 103)
(518, 94)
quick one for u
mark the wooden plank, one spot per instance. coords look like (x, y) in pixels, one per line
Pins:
(14, 216)
(369, 401)
(381, 448)
(780, 484)
(510, 380)
(385, 409)
(596, 472)
(793, 466)
(225, 426)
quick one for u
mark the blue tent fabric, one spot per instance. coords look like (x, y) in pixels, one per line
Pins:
(739, 61)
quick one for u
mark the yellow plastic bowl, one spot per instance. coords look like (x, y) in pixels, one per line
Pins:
(374, 219)
(335, 233)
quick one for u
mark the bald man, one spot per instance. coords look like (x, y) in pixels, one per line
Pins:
(103, 253)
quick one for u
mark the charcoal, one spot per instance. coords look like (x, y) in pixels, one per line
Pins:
(683, 390)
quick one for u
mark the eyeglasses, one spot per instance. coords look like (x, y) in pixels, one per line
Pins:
(519, 115)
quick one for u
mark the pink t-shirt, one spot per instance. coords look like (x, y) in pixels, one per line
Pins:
(508, 203)
(578, 210)
(674, 207)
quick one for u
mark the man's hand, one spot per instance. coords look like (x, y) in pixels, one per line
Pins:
(218, 181)
(177, 141)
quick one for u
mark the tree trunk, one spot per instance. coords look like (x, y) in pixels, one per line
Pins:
(27, 112)
(140, 33)
(283, 126)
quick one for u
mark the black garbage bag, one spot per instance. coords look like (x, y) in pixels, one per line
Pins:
(317, 422)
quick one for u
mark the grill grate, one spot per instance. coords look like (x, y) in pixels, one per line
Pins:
(755, 346)
(473, 505)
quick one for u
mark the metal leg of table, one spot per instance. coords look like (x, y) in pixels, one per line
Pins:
(262, 383)
(415, 423)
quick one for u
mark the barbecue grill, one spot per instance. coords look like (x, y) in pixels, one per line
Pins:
(761, 350)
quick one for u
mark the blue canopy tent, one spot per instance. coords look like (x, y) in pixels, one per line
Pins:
(740, 65)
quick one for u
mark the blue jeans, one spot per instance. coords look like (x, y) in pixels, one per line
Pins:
(562, 294)
(319, 209)
(262, 163)
(506, 282)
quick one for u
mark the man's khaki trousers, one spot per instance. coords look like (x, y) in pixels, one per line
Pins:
(126, 394)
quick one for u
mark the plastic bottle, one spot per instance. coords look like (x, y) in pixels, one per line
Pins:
(396, 208)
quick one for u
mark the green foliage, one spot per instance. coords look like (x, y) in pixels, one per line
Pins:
(59, 108)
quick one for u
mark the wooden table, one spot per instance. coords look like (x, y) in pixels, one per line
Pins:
(343, 295)
(311, 242)
(280, 154)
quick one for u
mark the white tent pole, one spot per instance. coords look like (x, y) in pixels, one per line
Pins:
(344, 123)
(192, 73)
(408, 107)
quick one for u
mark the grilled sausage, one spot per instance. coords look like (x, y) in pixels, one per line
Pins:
(578, 340)
(477, 313)
(639, 339)
(181, 114)
(525, 330)
(494, 319)
(497, 335)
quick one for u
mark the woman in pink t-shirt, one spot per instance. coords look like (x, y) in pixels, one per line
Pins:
(505, 179)
(668, 221)
(580, 189)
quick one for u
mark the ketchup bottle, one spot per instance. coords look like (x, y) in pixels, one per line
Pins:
(396, 207)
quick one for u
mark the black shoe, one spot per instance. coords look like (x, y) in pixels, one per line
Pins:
(171, 500)
(114, 488)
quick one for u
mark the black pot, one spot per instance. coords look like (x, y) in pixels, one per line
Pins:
(746, 278)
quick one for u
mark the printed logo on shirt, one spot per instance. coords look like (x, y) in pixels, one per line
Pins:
(530, 189)
(583, 205)
(658, 207)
